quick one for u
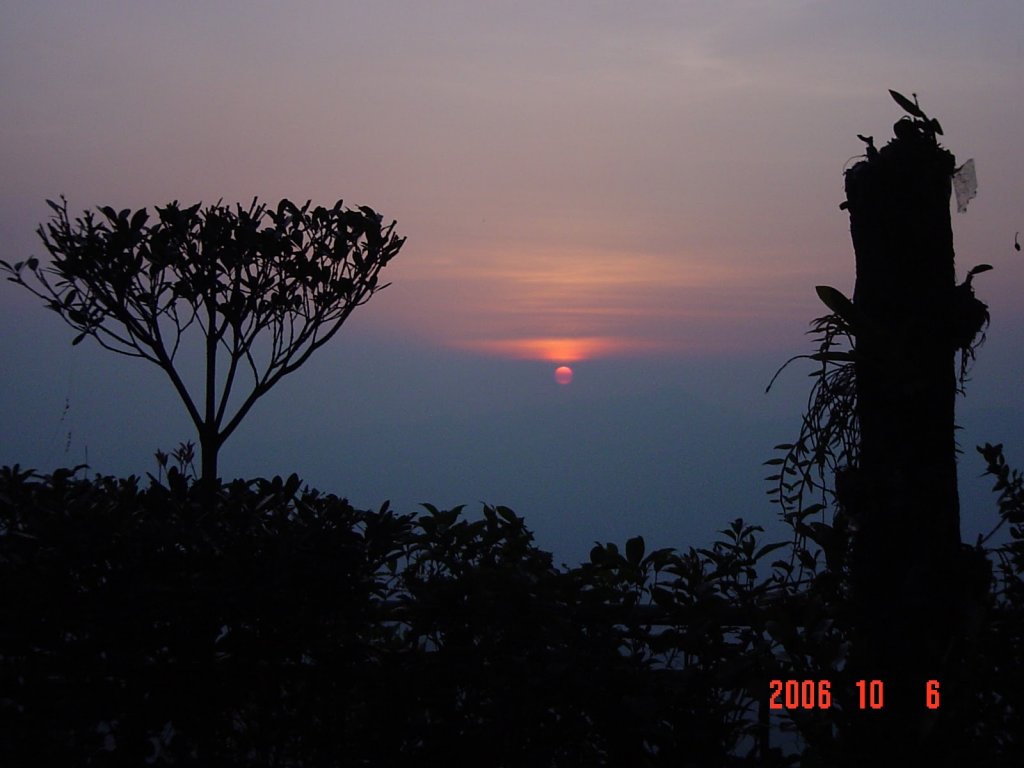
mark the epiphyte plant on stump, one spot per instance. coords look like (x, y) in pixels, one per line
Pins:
(829, 439)
(264, 297)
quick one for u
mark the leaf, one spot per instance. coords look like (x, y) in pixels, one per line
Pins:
(662, 597)
(768, 548)
(507, 514)
(906, 103)
(659, 558)
(139, 219)
(979, 269)
(832, 357)
(836, 301)
(78, 339)
(635, 550)
(807, 560)
(822, 534)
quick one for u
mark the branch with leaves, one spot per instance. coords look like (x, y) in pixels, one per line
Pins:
(288, 276)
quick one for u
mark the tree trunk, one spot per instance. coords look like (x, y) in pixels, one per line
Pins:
(210, 433)
(209, 447)
(907, 544)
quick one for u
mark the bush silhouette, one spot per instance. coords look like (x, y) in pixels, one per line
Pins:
(285, 627)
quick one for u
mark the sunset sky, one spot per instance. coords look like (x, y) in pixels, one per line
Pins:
(648, 192)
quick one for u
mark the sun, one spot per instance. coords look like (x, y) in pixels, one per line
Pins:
(563, 374)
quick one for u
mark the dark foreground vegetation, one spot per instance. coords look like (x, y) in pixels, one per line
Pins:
(283, 627)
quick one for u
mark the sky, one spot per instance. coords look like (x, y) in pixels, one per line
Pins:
(648, 192)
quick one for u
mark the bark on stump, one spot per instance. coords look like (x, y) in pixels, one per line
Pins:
(908, 541)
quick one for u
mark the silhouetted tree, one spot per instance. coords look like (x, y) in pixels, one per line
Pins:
(264, 297)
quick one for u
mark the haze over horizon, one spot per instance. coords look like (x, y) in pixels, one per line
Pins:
(648, 193)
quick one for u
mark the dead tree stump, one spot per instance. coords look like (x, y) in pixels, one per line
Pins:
(908, 540)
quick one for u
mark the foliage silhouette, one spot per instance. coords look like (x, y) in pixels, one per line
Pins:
(264, 297)
(184, 458)
(285, 627)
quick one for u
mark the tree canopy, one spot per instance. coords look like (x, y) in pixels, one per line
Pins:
(266, 287)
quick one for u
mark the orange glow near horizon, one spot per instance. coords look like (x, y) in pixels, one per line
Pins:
(558, 350)
(568, 305)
